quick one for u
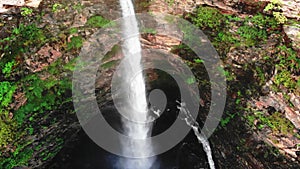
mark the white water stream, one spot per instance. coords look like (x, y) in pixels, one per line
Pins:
(190, 121)
(136, 108)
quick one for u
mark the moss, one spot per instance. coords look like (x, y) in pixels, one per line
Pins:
(251, 36)
(277, 122)
(284, 78)
(76, 43)
(19, 158)
(251, 31)
(97, 22)
(8, 129)
(111, 53)
(21, 40)
(280, 124)
(208, 17)
(109, 64)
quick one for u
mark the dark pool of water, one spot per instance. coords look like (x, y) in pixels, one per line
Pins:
(88, 155)
(85, 154)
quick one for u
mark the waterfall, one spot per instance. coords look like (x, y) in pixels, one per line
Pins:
(135, 103)
(190, 121)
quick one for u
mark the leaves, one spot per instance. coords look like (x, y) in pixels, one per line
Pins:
(6, 92)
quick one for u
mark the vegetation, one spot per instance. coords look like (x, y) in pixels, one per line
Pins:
(277, 122)
(42, 94)
(26, 11)
(76, 43)
(48, 90)
(275, 7)
(97, 21)
(251, 30)
(7, 125)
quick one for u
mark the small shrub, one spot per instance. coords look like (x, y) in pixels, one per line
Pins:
(97, 21)
(76, 43)
(6, 93)
(8, 68)
(26, 11)
(56, 7)
(7, 125)
(208, 17)
(275, 6)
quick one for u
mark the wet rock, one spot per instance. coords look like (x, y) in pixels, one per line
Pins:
(293, 32)
(14, 3)
(277, 101)
(291, 8)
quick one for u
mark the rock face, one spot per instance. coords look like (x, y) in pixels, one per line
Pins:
(293, 32)
(32, 3)
(291, 8)
(109, 9)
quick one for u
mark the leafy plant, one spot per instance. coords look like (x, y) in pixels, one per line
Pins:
(56, 7)
(76, 43)
(227, 119)
(208, 17)
(284, 77)
(251, 35)
(170, 2)
(149, 30)
(7, 126)
(97, 21)
(21, 39)
(190, 80)
(8, 68)
(26, 11)
(73, 30)
(198, 61)
(277, 122)
(275, 6)
(287, 64)
(6, 92)
(20, 157)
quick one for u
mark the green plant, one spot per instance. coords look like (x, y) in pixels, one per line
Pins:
(227, 119)
(7, 90)
(78, 7)
(76, 43)
(198, 61)
(275, 6)
(20, 157)
(288, 65)
(56, 7)
(149, 30)
(224, 40)
(251, 35)
(8, 132)
(21, 39)
(208, 17)
(229, 76)
(284, 78)
(7, 125)
(42, 95)
(170, 2)
(277, 122)
(97, 21)
(8, 68)
(191, 80)
(26, 11)
(73, 30)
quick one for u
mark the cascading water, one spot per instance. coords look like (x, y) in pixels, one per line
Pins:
(136, 110)
(136, 103)
(190, 121)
